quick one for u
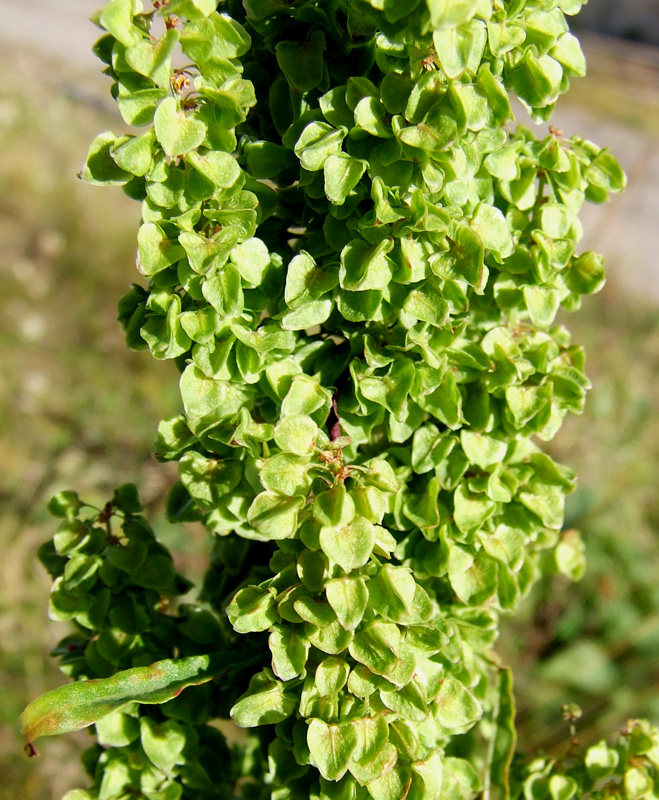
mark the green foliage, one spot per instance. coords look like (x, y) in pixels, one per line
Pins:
(356, 268)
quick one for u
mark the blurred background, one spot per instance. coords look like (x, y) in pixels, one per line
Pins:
(77, 410)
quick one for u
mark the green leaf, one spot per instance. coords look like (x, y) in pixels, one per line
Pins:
(456, 705)
(429, 448)
(312, 569)
(335, 109)
(302, 62)
(253, 609)
(556, 220)
(444, 402)
(220, 168)
(154, 58)
(460, 48)
(264, 703)
(223, 290)
(562, 787)
(464, 260)
(484, 450)
(287, 474)
(461, 781)
(470, 105)
(332, 638)
(117, 19)
(445, 14)
(163, 744)
(435, 133)
(208, 401)
(638, 783)
(408, 701)
(391, 592)
(177, 132)
(430, 770)
(365, 267)
(297, 434)
(307, 281)
(585, 274)
(571, 7)
(471, 510)
(526, 402)
(165, 335)
(200, 325)
(267, 159)
(80, 704)
(208, 480)
(548, 505)
(334, 507)
(504, 36)
(570, 555)
(503, 740)
(474, 580)
(275, 516)
(350, 546)
(231, 39)
(135, 154)
(290, 649)
(342, 174)
(101, 169)
(65, 505)
(393, 784)
(308, 315)
(392, 389)
(359, 306)
(331, 676)
(306, 396)
(376, 646)
(605, 172)
(357, 89)
(252, 258)
(536, 79)
(503, 163)
(155, 251)
(331, 747)
(128, 557)
(348, 597)
(117, 730)
(317, 142)
(505, 545)
(373, 756)
(192, 9)
(427, 303)
(601, 761)
(567, 51)
(371, 116)
(492, 228)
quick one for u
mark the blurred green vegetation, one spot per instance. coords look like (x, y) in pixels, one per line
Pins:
(76, 408)
(79, 411)
(596, 643)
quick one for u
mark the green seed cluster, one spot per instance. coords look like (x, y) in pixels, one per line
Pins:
(628, 769)
(356, 266)
(113, 581)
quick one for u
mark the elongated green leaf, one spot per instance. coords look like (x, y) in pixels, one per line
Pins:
(502, 743)
(80, 704)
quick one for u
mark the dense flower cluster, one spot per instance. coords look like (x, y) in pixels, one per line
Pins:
(355, 263)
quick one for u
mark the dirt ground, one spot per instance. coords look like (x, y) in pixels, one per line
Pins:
(617, 106)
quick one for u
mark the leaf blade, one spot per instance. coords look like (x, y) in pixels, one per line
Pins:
(80, 704)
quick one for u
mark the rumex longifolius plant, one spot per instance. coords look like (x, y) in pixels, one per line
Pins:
(355, 261)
